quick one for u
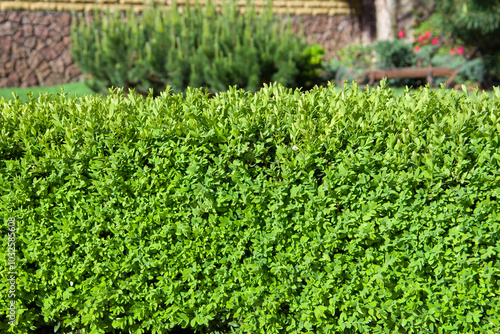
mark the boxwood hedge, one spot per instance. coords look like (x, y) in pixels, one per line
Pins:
(327, 211)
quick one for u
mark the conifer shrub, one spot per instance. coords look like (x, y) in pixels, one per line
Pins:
(275, 212)
(195, 47)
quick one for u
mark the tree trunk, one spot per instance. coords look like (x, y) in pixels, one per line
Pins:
(386, 18)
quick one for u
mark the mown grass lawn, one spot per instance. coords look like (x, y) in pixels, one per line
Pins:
(78, 89)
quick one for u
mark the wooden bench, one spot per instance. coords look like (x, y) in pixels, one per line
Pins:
(410, 73)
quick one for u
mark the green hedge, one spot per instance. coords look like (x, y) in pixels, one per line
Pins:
(277, 212)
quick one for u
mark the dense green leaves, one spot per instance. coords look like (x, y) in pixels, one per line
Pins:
(274, 212)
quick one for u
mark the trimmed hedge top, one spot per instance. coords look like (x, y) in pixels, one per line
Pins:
(274, 212)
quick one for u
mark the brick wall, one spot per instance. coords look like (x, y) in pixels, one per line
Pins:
(34, 35)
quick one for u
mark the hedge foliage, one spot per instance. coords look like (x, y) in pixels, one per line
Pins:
(330, 211)
(195, 47)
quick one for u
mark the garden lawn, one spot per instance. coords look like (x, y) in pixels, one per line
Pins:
(78, 89)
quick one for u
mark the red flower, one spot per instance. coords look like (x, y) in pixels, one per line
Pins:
(452, 51)
(421, 38)
(427, 34)
(416, 49)
(435, 40)
(460, 50)
(401, 34)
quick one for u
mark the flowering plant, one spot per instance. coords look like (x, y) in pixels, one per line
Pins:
(458, 50)
(429, 43)
(431, 47)
(427, 38)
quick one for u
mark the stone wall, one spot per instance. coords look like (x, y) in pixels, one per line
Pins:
(34, 49)
(331, 32)
(34, 46)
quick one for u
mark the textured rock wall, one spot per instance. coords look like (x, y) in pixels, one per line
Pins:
(34, 46)
(34, 49)
(331, 32)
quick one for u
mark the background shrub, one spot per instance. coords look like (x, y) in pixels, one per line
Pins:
(351, 63)
(354, 60)
(476, 23)
(198, 48)
(394, 54)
